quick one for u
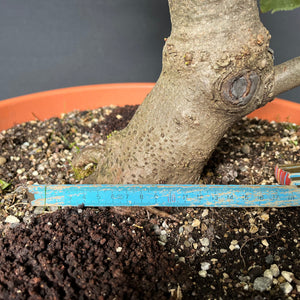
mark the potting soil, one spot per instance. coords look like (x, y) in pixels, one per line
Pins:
(99, 253)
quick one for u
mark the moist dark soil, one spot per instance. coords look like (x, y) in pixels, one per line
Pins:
(98, 253)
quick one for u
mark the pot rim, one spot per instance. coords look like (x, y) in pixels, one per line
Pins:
(52, 103)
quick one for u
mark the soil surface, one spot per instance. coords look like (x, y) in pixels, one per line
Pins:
(98, 253)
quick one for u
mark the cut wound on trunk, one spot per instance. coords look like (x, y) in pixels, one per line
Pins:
(239, 90)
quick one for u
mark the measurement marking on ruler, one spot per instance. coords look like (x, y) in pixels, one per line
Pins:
(165, 195)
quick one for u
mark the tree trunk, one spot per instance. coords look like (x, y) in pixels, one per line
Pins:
(217, 68)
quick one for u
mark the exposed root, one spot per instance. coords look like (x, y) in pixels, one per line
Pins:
(133, 210)
(161, 213)
(88, 155)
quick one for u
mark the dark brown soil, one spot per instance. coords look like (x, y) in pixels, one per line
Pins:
(80, 254)
(85, 253)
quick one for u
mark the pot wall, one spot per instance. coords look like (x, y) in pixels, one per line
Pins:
(53, 44)
(45, 105)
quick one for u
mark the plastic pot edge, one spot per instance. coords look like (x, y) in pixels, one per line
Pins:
(47, 104)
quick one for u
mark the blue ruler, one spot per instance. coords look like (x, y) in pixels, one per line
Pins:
(165, 195)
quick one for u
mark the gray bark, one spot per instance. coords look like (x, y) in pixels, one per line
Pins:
(287, 76)
(216, 68)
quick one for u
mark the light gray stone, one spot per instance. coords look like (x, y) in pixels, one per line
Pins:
(205, 266)
(39, 210)
(163, 238)
(204, 242)
(268, 273)
(202, 273)
(181, 259)
(275, 270)
(12, 219)
(288, 276)
(246, 149)
(262, 284)
(286, 287)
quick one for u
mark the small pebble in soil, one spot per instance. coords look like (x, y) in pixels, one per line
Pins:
(12, 220)
(205, 266)
(2, 160)
(187, 244)
(204, 213)
(262, 284)
(265, 217)
(288, 276)
(246, 149)
(39, 210)
(204, 242)
(203, 273)
(268, 273)
(196, 223)
(234, 245)
(163, 239)
(269, 259)
(286, 287)
(181, 259)
(253, 229)
(275, 270)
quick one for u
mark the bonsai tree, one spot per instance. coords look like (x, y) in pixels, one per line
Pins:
(217, 67)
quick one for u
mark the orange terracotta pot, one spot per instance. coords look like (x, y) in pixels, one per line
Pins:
(44, 105)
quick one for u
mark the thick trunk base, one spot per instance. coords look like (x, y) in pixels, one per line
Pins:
(217, 68)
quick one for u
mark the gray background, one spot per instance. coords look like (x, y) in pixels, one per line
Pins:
(60, 43)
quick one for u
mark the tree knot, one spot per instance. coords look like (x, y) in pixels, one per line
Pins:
(239, 89)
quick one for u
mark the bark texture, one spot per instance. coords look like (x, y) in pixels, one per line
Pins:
(216, 68)
(287, 76)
